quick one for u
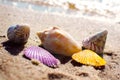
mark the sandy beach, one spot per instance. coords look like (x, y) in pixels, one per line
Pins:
(14, 66)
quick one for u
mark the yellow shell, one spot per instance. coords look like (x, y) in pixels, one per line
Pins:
(58, 41)
(88, 57)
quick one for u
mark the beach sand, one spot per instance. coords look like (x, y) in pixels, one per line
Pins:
(14, 66)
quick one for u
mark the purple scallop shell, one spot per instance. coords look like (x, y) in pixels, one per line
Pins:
(42, 55)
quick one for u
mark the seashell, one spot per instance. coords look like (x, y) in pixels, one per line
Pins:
(88, 57)
(96, 42)
(18, 33)
(58, 41)
(35, 62)
(38, 53)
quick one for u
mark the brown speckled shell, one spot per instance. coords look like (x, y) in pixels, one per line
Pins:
(18, 33)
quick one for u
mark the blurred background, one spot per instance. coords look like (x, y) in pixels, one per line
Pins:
(103, 10)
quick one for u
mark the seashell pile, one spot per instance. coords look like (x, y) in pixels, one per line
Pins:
(58, 41)
(88, 57)
(18, 33)
(42, 55)
(96, 42)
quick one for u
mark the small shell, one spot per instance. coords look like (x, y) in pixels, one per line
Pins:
(18, 33)
(96, 42)
(88, 57)
(35, 62)
(42, 55)
(58, 41)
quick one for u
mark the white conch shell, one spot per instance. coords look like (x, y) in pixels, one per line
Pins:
(96, 42)
(18, 33)
(58, 41)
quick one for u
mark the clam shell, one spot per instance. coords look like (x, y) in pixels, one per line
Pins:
(42, 55)
(18, 33)
(96, 42)
(88, 57)
(58, 41)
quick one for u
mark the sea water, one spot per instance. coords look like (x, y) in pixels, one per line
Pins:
(105, 10)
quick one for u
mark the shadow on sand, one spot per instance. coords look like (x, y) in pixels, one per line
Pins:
(74, 63)
(63, 59)
(12, 48)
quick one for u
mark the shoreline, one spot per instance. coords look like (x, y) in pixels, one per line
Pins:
(93, 14)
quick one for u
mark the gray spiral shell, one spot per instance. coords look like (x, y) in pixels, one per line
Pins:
(96, 42)
(18, 33)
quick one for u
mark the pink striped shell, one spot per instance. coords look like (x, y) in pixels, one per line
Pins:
(42, 55)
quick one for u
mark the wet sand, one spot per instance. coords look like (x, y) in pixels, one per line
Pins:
(14, 66)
